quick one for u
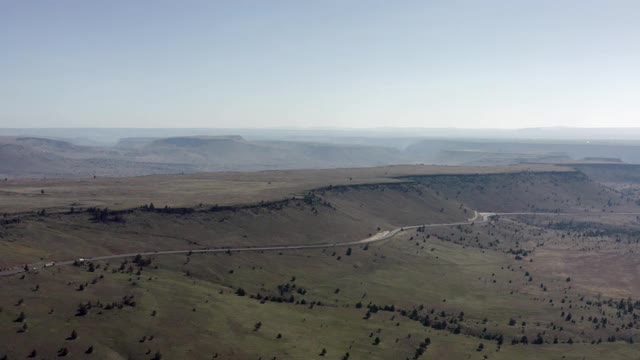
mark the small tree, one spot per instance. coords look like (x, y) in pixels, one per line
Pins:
(82, 310)
(24, 328)
(21, 317)
(538, 340)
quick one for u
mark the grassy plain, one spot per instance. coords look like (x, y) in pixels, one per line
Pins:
(189, 305)
(548, 279)
(224, 188)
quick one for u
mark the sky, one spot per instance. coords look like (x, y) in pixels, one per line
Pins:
(310, 64)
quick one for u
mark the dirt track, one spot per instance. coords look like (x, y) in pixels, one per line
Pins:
(383, 235)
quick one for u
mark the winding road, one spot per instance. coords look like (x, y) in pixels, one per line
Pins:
(479, 217)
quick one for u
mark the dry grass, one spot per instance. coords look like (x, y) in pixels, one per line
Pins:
(211, 188)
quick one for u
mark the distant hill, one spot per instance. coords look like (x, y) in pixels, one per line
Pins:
(236, 153)
(40, 157)
(31, 156)
(28, 157)
(440, 150)
(473, 157)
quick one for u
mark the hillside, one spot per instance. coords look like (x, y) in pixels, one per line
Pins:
(344, 214)
(223, 188)
(540, 192)
(611, 174)
(508, 288)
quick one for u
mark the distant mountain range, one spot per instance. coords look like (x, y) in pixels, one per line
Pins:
(38, 157)
(30, 156)
(110, 136)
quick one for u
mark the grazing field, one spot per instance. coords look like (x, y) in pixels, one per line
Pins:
(337, 215)
(553, 286)
(295, 304)
(230, 188)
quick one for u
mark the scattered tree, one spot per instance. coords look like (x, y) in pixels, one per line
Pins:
(20, 317)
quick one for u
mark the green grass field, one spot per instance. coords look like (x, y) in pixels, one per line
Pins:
(473, 291)
(211, 188)
(197, 313)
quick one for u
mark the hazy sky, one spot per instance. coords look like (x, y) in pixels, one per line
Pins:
(302, 63)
